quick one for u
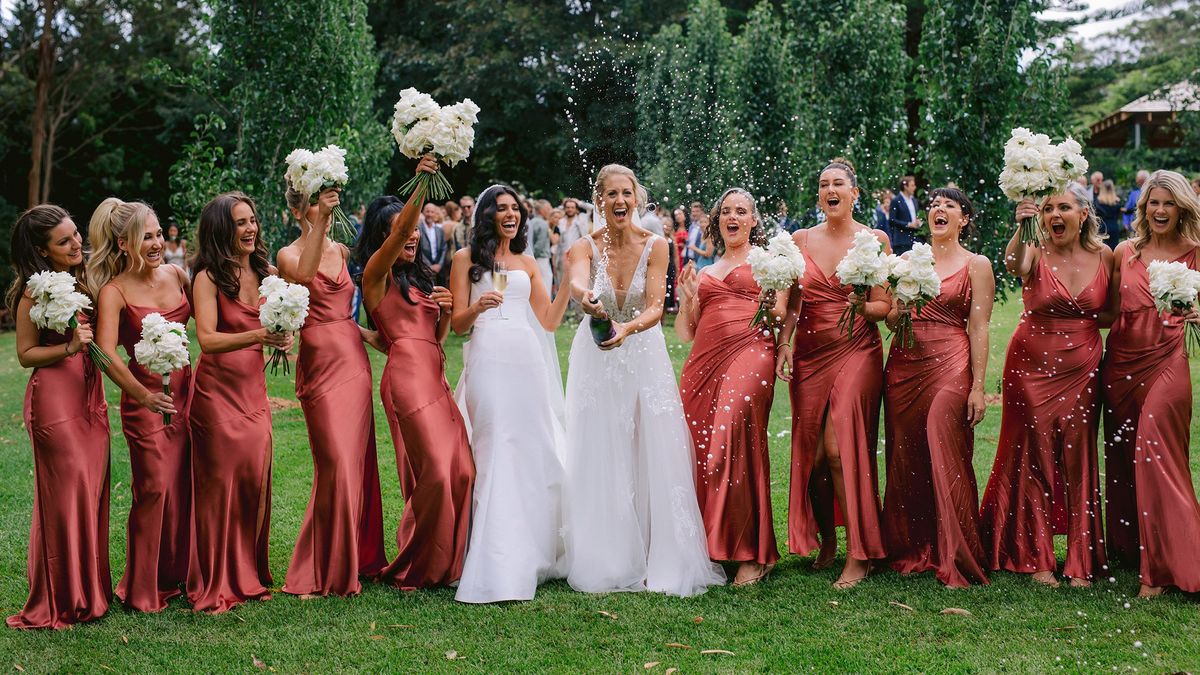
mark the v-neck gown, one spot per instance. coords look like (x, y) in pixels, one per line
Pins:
(1045, 479)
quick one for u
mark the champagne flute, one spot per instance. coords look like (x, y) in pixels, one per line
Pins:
(500, 283)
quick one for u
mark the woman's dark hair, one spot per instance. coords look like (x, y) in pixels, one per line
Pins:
(29, 233)
(842, 164)
(963, 201)
(758, 235)
(484, 239)
(377, 225)
(217, 242)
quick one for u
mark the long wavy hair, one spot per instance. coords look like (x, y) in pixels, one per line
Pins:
(484, 238)
(111, 222)
(29, 233)
(217, 244)
(377, 225)
(1089, 229)
(758, 234)
(1185, 199)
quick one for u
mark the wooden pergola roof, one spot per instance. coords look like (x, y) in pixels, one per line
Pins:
(1150, 120)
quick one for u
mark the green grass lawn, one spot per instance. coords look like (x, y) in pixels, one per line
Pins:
(794, 621)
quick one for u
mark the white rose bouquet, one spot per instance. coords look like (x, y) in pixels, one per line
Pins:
(1035, 168)
(311, 173)
(863, 268)
(775, 268)
(1175, 287)
(421, 126)
(163, 349)
(915, 282)
(56, 303)
(284, 311)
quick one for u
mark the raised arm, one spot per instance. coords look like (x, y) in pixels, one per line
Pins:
(983, 297)
(548, 312)
(688, 316)
(302, 268)
(1019, 257)
(379, 266)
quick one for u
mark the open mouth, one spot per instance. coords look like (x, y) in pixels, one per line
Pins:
(733, 228)
(410, 249)
(941, 221)
(248, 241)
(1161, 221)
(832, 201)
(509, 226)
(154, 256)
(1058, 229)
(620, 212)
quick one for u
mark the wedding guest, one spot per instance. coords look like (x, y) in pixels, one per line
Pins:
(128, 274)
(1131, 200)
(1108, 211)
(682, 233)
(933, 398)
(176, 251)
(65, 414)
(1152, 516)
(883, 200)
(230, 417)
(727, 385)
(836, 381)
(539, 241)
(1045, 479)
(433, 456)
(341, 537)
(903, 219)
(433, 241)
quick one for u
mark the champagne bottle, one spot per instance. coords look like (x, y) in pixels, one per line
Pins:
(602, 329)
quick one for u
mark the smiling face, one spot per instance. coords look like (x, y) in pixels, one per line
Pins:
(409, 253)
(150, 249)
(431, 213)
(508, 216)
(245, 228)
(570, 208)
(836, 193)
(946, 218)
(1062, 217)
(64, 246)
(1162, 212)
(618, 198)
(736, 220)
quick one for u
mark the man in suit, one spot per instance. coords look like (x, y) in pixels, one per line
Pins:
(432, 248)
(539, 241)
(695, 237)
(903, 222)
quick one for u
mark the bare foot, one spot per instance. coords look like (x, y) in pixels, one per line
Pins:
(1080, 583)
(745, 572)
(1046, 579)
(826, 555)
(853, 574)
(1150, 591)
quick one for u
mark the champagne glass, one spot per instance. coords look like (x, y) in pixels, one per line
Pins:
(500, 283)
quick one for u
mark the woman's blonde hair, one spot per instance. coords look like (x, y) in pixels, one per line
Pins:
(1108, 193)
(1089, 229)
(610, 170)
(111, 222)
(1185, 198)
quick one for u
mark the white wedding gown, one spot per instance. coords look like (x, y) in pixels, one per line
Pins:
(510, 393)
(631, 516)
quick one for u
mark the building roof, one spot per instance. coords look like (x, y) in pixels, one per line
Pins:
(1148, 120)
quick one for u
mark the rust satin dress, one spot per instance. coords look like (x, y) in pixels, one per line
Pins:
(1153, 518)
(159, 536)
(433, 455)
(931, 502)
(836, 380)
(231, 470)
(342, 534)
(1045, 479)
(727, 386)
(65, 414)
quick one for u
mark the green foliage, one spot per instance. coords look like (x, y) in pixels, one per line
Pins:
(200, 172)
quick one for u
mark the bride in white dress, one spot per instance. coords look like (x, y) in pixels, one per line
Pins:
(632, 521)
(510, 394)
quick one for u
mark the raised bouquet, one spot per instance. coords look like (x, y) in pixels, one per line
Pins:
(914, 282)
(56, 304)
(1175, 287)
(864, 267)
(421, 126)
(311, 173)
(163, 349)
(1035, 168)
(283, 311)
(776, 268)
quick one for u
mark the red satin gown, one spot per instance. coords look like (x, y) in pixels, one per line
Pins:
(1153, 518)
(159, 536)
(727, 386)
(930, 504)
(433, 455)
(1045, 479)
(836, 380)
(342, 534)
(231, 470)
(65, 414)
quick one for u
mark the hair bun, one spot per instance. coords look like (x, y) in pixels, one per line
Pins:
(843, 160)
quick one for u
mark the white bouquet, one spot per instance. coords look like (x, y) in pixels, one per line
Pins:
(163, 349)
(775, 268)
(1175, 287)
(863, 268)
(421, 126)
(311, 173)
(915, 282)
(56, 302)
(284, 311)
(1034, 168)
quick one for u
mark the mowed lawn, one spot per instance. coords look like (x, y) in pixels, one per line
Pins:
(793, 621)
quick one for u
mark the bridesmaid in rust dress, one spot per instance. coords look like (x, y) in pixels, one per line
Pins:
(65, 414)
(127, 270)
(1153, 517)
(1045, 479)
(342, 534)
(727, 386)
(933, 398)
(836, 382)
(231, 422)
(433, 456)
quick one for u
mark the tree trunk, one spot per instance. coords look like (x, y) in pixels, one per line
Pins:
(48, 163)
(41, 94)
(914, 19)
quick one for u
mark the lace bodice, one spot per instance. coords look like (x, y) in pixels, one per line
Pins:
(620, 309)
